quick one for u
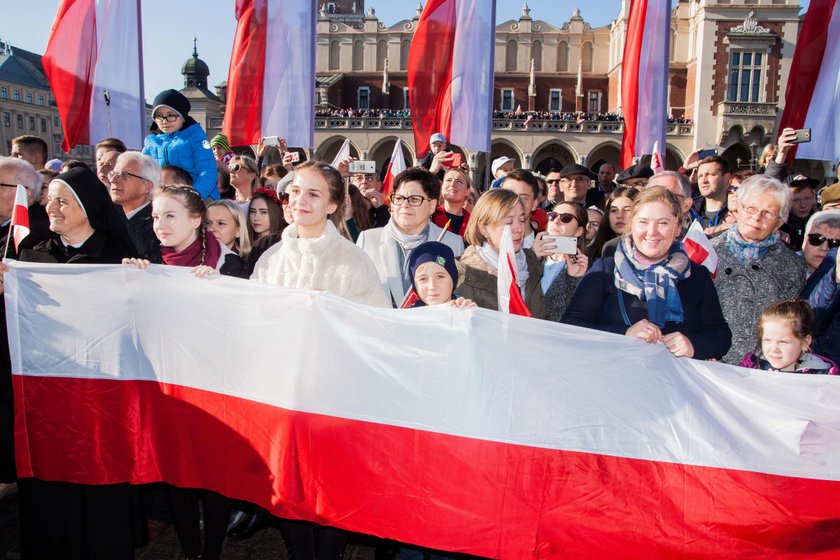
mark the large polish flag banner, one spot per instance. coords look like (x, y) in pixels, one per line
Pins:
(94, 64)
(813, 92)
(272, 73)
(644, 78)
(450, 73)
(467, 435)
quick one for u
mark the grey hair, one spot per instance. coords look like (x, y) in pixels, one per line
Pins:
(682, 180)
(149, 168)
(23, 173)
(830, 218)
(760, 184)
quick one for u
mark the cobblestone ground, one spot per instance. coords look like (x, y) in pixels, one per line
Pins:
(266, 544)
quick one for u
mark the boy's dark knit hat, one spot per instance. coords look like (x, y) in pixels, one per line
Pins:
(436, 252)
(174, 100)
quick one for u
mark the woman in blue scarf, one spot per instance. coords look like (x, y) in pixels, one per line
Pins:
(650, 289)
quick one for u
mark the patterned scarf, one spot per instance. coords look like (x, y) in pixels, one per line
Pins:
(748, 251)
(655, 284)
(491, 258)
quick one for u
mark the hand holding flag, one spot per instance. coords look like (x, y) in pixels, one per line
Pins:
(510, 298)
(20, 219)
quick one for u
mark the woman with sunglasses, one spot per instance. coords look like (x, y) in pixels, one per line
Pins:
(563, 271)
(244, 178)
(415, 198)
(822, 233)
(649, 289)
(177, 139)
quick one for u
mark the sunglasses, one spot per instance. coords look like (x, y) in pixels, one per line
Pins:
(564, 218)
(817, 239)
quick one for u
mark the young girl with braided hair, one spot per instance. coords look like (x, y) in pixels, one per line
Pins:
(179, 216)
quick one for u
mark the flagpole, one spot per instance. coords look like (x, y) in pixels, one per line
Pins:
(8, 238)
(140, 70)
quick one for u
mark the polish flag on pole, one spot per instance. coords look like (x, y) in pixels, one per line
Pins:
(343, 153)
(656, 159)
(94, 63)
(20, 219)
(395, 167)
(699, 249)
(272, 73)
(623, 452)
(813, 92)
(450, 73)
(644, 78)
(510, 297)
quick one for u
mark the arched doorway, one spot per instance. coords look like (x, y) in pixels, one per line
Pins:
(381, 154)
(329, 149)
(604, 153)
(737, 156)
(552, 155)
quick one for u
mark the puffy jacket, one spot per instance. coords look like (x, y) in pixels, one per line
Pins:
(807, 363)
(190, 150)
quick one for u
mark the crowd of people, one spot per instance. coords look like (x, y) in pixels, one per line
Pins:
(596, 248)
(571, 116)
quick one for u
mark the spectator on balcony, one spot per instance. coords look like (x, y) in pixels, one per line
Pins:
(500, 167)
(456, 187)
(710, 208)
(635, 176)
(575, 182)
(525, 184)
(755, 268)
(803, 206)
(370, 188)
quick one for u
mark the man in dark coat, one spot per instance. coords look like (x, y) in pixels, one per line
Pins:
(134, 178)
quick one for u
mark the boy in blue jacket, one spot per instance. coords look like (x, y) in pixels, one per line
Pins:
(176, 139)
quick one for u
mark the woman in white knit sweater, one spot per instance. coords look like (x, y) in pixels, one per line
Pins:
(313, 255)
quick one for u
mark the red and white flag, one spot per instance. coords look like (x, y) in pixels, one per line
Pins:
(450, 73)
(547, 440)
(395, 167)
(20, 216)
(813, 92)
(644, 78)
(343, 153)
(94, 63)
(656, 159)
(272, 73)
(510, 296)
(699, 249)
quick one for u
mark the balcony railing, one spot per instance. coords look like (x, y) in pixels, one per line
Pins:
(500, 125)
(747, 109)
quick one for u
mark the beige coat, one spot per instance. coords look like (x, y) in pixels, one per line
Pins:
(330, 263)
(478, 282)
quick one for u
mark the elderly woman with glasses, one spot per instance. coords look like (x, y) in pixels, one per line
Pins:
(244, 178)
(755, 269)
(177, 139)
(415, 198)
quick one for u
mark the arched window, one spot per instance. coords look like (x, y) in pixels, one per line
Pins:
(335, 55)
(358, 55)
(536, 54)
(381, 54)
(404, 48)
(586, 56)
(563, 57)
(511, 56)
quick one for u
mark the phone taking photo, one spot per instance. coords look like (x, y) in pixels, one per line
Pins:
(560, 245)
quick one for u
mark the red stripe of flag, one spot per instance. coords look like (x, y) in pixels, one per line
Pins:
(244, 104)
(69, 63)
(517, 305)
(430, 72)
(806, 65)
(443, 491)
(630, 78)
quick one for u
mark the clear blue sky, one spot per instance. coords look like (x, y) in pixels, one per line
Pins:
(168, 28)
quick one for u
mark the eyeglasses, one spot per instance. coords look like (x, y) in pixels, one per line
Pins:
(733, 189)
(552, 181)
(120, 175)
(593, 225)
(817, 239)
(171, 117)
(766, 215)
(234, 167)
(413, 200)
(577, 179)
(8, 185)
(365, 178)
(564, 218)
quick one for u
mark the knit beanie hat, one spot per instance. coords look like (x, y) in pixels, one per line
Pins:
(174, 100)
(221, 141)
(436, 252)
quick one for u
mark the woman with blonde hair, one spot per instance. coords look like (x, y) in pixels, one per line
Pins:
(226, 220)
(244, 178)
(650, 289)
(478, 267)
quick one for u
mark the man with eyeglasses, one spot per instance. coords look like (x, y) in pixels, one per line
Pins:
(133, 179)
(555, 195)
(19, 171)
(575, 182)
